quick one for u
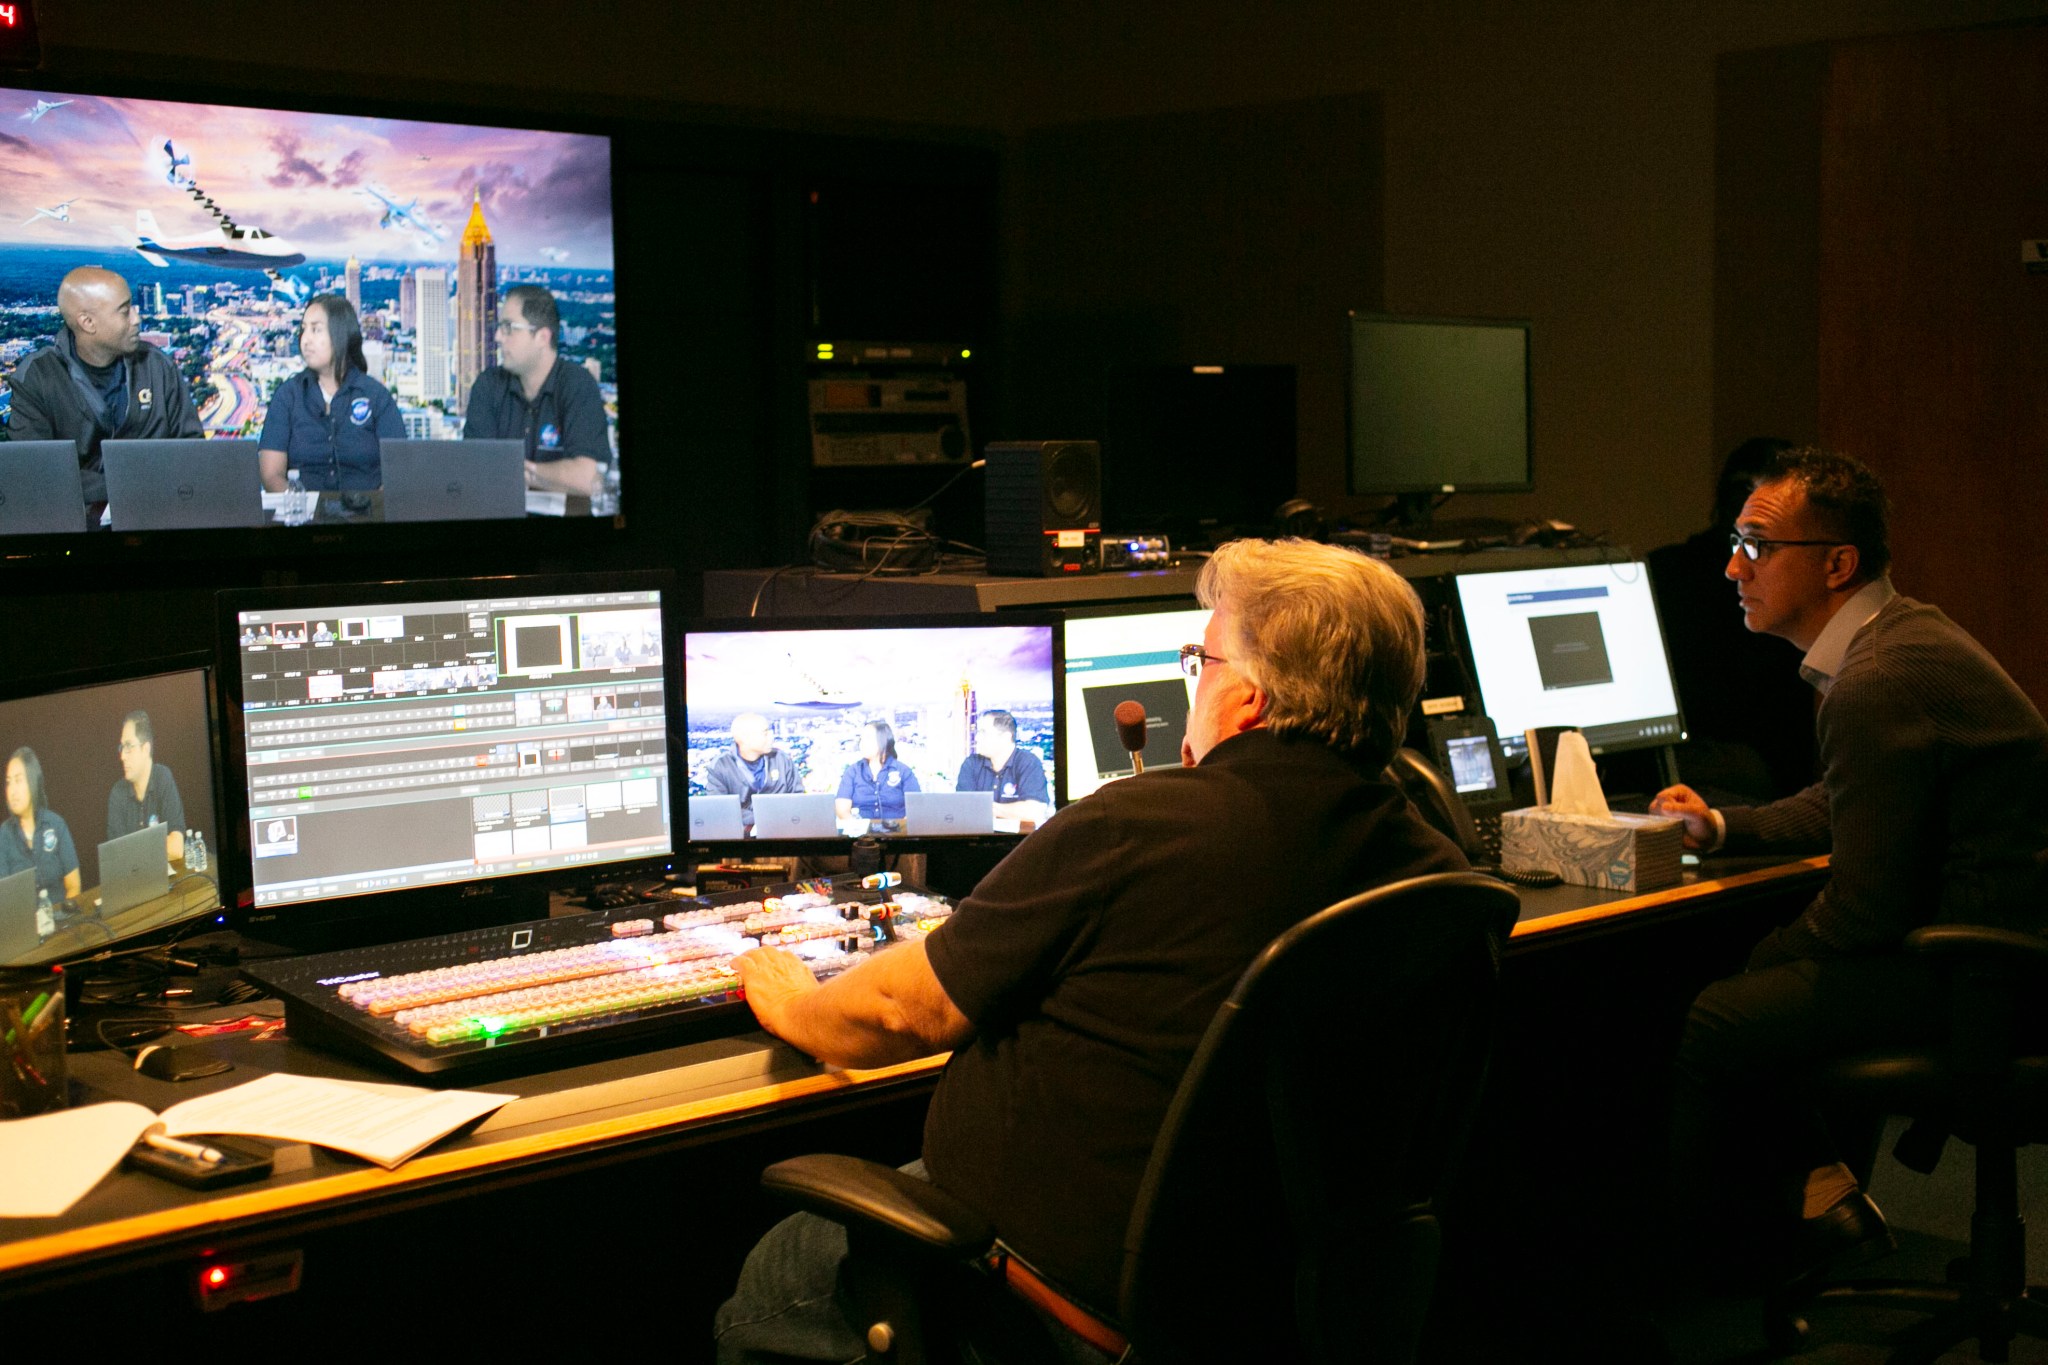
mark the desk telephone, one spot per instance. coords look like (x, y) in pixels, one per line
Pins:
(1467, 750)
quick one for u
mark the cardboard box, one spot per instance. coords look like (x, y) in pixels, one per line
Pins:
(1619, 853)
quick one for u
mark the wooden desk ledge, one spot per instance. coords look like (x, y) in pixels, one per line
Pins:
(1670, 895)
(264, 1199)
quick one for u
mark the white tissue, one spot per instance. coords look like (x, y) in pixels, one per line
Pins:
(1574, 785)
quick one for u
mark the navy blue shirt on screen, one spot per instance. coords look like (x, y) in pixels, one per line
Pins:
(1021, 778)
(877, 796)
(565, 420)
(50, 852)
(332, 445)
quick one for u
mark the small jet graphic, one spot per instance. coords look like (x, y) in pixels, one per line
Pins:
(34, 113)
(171, 175)
(816, 696)
(555, 254)
(404, 215)
(240, 248)
(295, 291)
(61, 213)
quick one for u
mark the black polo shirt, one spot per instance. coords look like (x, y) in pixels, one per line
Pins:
(1021, 778)
(160, 804)
(565, 421)
(51, 852)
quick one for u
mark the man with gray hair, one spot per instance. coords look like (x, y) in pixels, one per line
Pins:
(100, 379)
(1075, 982)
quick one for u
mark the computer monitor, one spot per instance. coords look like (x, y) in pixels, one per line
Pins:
(78, 744)
(1119, 654)
(1573, 644)
(1197, 452)
(866, 712)
(1439, 406)
(401, 755)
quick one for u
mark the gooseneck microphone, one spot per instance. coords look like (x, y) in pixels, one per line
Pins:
(1130, 732)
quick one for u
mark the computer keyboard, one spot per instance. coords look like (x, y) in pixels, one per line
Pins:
(497, 998)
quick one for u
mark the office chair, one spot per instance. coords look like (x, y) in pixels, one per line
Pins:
(1437, 800)
(1986, 1084)
(1286, 1212)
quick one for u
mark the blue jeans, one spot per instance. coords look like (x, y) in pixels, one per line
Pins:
(790, 1303)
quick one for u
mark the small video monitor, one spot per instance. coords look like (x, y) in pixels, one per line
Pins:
(834, 729)
(1120, 654)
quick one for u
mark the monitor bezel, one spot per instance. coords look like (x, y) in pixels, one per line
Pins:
(204, 663)
(410, 912)
(891, 844)
(1382, 487)
(1512, 743)
(1145, 606)
(541, 536)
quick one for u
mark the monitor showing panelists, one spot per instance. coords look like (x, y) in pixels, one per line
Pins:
(318, 285)
(873, 724)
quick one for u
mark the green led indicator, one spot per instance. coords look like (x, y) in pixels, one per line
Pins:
(491, 1027)
(305, 793)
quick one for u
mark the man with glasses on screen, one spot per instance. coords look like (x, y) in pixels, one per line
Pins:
(147, 794)
(1074, 983)
(999, 765)
(533, 394)
(1934, 803)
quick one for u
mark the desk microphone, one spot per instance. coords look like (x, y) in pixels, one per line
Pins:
(1130, 732)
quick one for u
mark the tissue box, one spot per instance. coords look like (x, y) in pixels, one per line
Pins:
(1619, 853)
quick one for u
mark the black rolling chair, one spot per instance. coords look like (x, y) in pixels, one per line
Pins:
(1433, 795)
(1986, 1084)
(1286, 1212)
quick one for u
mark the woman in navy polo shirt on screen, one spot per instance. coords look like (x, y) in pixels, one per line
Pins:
(873, 785)
(326, 420)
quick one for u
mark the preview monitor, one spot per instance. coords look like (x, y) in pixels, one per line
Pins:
(1439, 405)
(110, 806)
(1119, 654)
(394, 747)
(463, 261)
(828, 730)
(1577, 645)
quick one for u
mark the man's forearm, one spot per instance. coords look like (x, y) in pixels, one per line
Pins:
(889, 1009)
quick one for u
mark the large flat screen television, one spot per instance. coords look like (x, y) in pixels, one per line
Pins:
(814, 733)
(474, 261)
(110, 808)
(1120, 654)
(1577, 645)
(400, 754)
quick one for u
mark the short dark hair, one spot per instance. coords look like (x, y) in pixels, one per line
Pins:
(537, 306)
(1846, 495)
(32, 769)
(344, 334)
(1002, 720)
(144, 733)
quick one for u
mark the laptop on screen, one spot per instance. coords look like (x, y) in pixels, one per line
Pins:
(41, 492)
(716, 817)
(808, 815)
(134, 869)
(949, 812)
(182, 485)
(18, 936)
(454, 480)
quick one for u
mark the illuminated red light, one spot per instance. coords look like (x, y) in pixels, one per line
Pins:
(216, 1276)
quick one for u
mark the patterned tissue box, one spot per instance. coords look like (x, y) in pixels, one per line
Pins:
(1619, 853)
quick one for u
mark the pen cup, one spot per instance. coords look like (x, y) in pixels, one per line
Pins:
(32, 1075)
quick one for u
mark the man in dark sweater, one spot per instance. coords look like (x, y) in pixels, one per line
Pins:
(1934, 804)
(100, 379)
(1074, 983)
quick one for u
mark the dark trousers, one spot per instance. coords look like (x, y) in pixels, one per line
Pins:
(1746, 1130)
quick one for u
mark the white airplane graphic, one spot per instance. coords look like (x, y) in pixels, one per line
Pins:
(404, 215)
(34, 113)
(240, 248)
(62, 213)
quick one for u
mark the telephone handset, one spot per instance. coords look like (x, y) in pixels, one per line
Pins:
(1467, 749)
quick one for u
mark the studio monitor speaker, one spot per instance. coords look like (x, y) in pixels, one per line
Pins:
(1044, 507)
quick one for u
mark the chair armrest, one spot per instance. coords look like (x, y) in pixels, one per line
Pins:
(1954, 941)
(867, 1194)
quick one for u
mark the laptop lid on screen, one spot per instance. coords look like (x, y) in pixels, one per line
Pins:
(182, 485)
(18, 936)
(134, 869)
(40, 489)
(454, 480)
(949, 812)
(795, 816)
(716, 817)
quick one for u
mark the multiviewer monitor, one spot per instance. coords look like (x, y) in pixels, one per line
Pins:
(110, 799)
(1575, 645)
(1120, 654)
(463, 260)
(1439, 405)
(816, 731)
(403, 744)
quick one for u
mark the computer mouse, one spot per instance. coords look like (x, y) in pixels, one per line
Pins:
(355, 502)
(179, 1062)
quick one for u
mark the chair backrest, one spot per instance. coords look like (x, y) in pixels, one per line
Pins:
(1425, 785)
(1286, 1209)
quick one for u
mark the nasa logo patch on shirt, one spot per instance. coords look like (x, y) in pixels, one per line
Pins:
(549, 437)
(359, 411)
(142, 397)
(155, 819)
(49, 839)
(895, 778)
(1009, 789)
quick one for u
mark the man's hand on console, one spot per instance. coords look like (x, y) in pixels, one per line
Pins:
(1687, 805)
(772, 978)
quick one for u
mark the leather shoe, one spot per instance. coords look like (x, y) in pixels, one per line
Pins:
(1851, 1232)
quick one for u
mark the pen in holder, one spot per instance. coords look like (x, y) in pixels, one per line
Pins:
(32, 1074)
